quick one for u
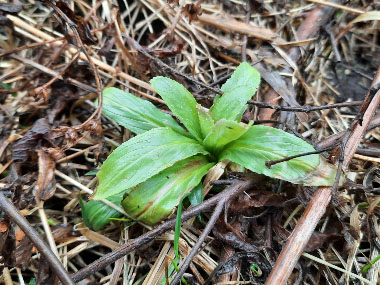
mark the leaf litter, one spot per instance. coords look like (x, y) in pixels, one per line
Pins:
(335, 63)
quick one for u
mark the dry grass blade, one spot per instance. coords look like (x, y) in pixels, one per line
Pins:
(318, 60)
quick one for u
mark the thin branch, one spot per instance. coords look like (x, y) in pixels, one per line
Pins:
(19, 219)
(110, 258)
(306, 109)
(270, 163)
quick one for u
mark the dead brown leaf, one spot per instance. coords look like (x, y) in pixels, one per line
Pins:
(7, 245)
(63, 233)
(3, 226)
(22, 149)
(45, 187)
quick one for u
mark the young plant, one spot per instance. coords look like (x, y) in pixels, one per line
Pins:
(165, 160)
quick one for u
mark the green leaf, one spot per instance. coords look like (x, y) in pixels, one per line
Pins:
(205, 120)
(260, 144)
(134, 113)
(223, 133)
(196, 195)
(84, 212)
(177, 229)
(96, 214)
(369, 265)
(92, 172)
(141, 157)
(180, 101)
(7, 87)
(236, 92)
(153, 200)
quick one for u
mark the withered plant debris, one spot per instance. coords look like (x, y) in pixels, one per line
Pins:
(64, 13)
(45, 186)
(53, 140)
(192, 11)
(24, 148)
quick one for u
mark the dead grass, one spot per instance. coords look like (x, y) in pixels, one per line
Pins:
(44, 167)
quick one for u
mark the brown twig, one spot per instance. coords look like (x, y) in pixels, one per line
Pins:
(306, 109)
(54, 263)
(110, 258)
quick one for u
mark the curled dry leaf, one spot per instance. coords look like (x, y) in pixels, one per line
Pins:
(21, 150)
(94, 127)
(15, 249)
(55, 153)
(45, 186)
